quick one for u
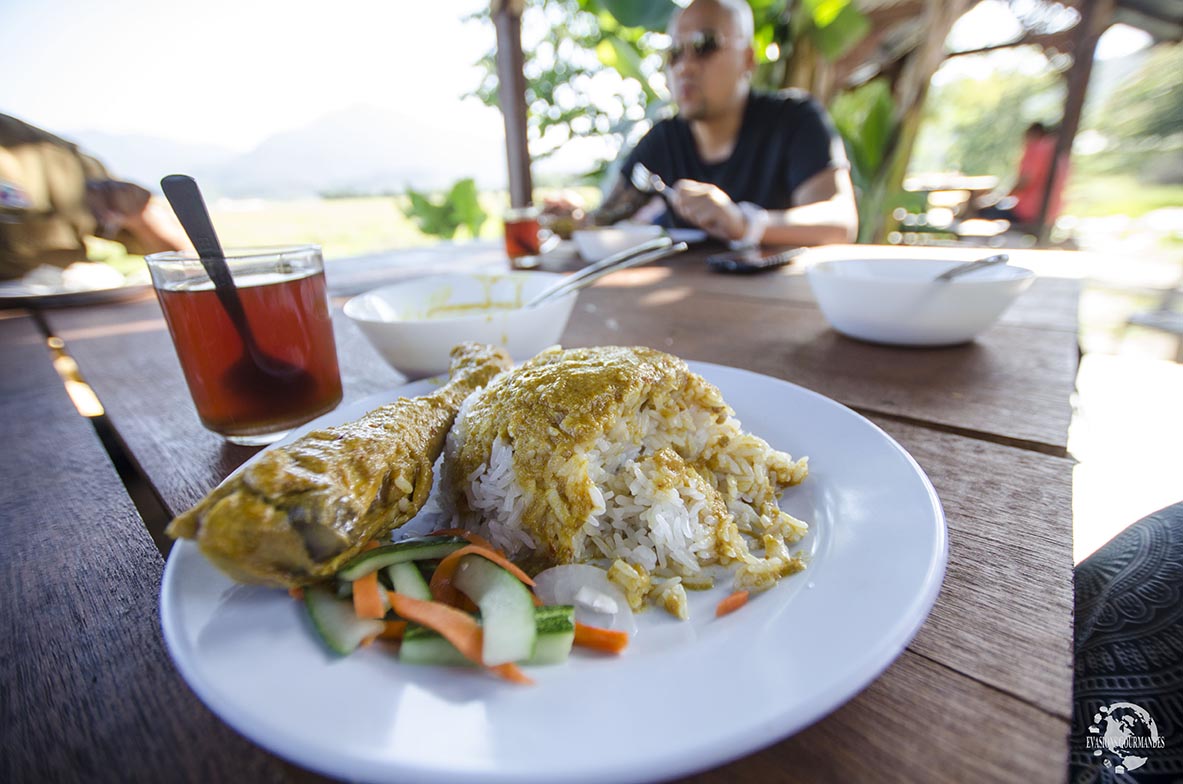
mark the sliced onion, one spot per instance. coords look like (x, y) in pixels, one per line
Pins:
(597, 600)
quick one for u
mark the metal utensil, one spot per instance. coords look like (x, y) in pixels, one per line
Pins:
(589, 275)
(647, 182)
(973, 266)
(256, 372)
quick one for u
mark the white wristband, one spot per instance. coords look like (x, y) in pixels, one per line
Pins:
(756, 221)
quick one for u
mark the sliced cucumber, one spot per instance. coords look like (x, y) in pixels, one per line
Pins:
(555, 627)
(406, 579)
(336, 622)
(421, 645)
(418, 549)
(507, 609)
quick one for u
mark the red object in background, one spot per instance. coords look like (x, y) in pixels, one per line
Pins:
(290, 320)
(522, 237)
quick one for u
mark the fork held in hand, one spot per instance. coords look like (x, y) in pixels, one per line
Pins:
(647, 182)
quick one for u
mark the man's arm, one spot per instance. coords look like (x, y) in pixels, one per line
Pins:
(825, 212)
(622, 202)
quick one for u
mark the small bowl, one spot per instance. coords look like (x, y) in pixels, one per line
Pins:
(896, 301)
(415, 324)
(596, 244)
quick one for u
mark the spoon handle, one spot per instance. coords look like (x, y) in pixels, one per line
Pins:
(185, 197)
(576, 282)
(972, 266)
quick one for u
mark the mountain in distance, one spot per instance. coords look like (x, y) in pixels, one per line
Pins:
(145, 159)
(362, 149)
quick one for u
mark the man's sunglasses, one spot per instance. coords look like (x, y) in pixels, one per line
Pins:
(703, 44)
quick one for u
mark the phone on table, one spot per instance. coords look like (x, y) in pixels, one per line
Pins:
(751, 260)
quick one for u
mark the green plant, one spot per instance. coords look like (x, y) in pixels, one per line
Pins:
(441, 218)
(863, 118)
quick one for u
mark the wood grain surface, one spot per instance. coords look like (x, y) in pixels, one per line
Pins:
(87, 691)
(1011, 385)
(981, 694)
(126, 355)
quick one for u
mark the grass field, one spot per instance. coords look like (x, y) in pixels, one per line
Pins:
(1103, 195)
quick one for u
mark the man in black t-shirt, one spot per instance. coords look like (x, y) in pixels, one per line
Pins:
(745, 166)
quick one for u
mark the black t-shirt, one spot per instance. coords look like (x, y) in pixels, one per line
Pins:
(785, 139)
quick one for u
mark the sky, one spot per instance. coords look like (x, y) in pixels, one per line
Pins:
(179, 70)
(231, 73)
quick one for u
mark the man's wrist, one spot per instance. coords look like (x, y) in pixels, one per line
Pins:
(755, 222)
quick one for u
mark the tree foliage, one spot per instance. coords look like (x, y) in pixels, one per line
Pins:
(594, 67)
(442, 217)
(1150, 106)
(589, 73)
(975, 125)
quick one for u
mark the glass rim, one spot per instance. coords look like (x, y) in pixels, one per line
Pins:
(235, 254)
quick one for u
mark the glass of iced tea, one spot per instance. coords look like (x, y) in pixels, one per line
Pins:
(525, 239)
(252, 392)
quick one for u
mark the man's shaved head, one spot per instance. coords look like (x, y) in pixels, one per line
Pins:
(742, 24)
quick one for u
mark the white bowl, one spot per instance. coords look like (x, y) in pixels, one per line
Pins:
(414, 324)
(596, 244)
(896, 301)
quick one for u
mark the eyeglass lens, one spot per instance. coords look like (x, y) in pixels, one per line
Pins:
(703, 44)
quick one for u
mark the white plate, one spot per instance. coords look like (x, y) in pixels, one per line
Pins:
(19, 296)
(689, 236)
(683, 697)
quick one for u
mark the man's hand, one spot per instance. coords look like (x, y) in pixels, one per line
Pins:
(116, 205)
(709, 208)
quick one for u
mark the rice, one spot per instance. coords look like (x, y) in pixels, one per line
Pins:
(624, 457)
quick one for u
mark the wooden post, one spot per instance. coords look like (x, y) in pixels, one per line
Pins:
(1095, 18)
(511, 94)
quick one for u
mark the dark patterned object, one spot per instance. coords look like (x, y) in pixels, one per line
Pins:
(1127, 723)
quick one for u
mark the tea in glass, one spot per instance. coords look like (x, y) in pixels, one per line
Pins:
(252, 392)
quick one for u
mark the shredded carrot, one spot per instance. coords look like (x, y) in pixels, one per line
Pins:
(606, 640)
(296, 593)
(367, 597)
(392, 630)
(512, 673)
(472, 537)
(731, 603)
(457, 627)
(441, 580)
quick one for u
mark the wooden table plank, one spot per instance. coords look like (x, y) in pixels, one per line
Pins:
(974, 478)
(1050, 303)
(126, 355)
(917, 722)
(1012, 384)
(1004, 614)
(996, 647)
(88, 691)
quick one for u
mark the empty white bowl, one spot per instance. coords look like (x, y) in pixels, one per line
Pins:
(414, 324)
(600, 243)
(896, 301)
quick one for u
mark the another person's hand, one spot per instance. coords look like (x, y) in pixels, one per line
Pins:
(709, 208)
(564, 212)
(116, 205)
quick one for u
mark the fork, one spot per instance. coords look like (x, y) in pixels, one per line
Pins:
(647, 182)
(644, 253)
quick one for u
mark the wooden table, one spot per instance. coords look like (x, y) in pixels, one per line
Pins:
(981, 694)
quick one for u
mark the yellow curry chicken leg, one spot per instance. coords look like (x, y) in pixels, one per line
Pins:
(295, 515)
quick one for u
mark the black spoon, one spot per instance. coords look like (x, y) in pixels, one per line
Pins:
(256, 372)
